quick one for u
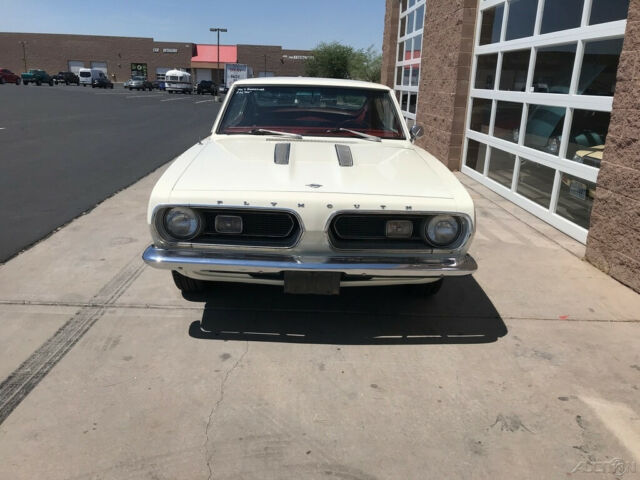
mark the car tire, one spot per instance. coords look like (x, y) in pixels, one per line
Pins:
(84, 84)
(51, 83)
(111, 86)
(17, 81)
(1, 80)
(426, 289)
(25, 83)
(38, 82)
(186, 284)
(66, 83)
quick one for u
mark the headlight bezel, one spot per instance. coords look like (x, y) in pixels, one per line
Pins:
(449, 245)
(171, 236)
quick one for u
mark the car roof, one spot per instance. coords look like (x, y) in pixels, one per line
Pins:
(311, 81)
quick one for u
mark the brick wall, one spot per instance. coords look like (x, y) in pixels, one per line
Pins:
(52, 52)
(279, 61)
(444, 77)
(614, 237)
(390, 42)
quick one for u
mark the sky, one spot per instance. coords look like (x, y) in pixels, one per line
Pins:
(300, 24)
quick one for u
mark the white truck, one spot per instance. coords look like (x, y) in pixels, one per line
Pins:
(177, 81)
(234, 72)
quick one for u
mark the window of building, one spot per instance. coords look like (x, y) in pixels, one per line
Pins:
(544, 76)
(407, 81)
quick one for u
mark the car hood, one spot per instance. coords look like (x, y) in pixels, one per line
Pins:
(240, 163)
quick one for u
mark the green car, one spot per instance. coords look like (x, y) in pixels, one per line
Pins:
(36, 76)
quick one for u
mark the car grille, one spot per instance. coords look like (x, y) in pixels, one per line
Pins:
(265, 228)
(368, 231)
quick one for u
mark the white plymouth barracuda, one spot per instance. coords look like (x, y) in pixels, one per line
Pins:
(314, 184)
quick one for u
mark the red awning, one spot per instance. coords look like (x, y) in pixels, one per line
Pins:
(209, 53)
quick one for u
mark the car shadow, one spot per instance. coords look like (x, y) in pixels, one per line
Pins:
(461, 313)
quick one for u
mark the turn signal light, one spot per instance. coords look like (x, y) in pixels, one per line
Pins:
(399, 228)
(228, 224)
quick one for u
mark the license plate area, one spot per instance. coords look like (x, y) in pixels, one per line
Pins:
(312, 283)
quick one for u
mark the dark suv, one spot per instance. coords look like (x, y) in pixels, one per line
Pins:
(206, 86)
(101, 82)
(66, 78)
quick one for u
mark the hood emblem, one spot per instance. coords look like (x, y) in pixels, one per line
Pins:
(313, 185)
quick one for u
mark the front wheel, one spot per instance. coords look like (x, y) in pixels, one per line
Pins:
(25, 83)
(38, 82)
(186, 284)
(426, 289)
(51, 83)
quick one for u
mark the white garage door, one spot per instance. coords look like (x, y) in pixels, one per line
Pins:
(160, 73)
(203, 74)
(75, 66)
(100, 66)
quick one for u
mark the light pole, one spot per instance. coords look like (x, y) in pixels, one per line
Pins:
(24, 53)
(218, 30)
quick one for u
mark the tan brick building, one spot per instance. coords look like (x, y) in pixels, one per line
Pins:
(120, 57)
(539, 100)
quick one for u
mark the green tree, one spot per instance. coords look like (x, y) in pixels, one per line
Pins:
(330, 60)
(366, 65)
(334, 60)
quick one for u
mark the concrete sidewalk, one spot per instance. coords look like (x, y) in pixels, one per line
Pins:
(530, 369)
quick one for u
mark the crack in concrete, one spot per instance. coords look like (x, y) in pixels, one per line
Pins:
(215, 407)
(186, 308)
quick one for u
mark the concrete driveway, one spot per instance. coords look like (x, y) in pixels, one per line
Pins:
(530, 369)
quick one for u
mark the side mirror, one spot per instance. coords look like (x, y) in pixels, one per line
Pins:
(416, 132)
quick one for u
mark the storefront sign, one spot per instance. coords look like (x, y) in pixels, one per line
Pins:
(169, 50)
(139, 69)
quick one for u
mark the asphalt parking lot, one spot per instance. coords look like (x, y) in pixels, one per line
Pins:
(63, 149)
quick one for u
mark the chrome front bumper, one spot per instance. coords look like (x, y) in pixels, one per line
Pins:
(208, 262)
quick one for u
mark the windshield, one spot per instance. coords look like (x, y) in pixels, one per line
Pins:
(138, 79)
(85, 74)
(312, 110)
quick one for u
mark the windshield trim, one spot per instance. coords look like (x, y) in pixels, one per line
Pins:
(403, 131)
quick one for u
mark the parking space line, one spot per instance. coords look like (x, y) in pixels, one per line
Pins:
(174, 99)
(145, 96)
(203, 101)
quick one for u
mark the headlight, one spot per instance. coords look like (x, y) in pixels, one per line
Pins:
(442, 230)
(182, 223)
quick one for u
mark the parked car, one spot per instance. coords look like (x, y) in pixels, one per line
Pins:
(139, 83)
(66, 78)
(314, 195)
(89, 75)
(222, 88)
(102, 82)
(158, 85)
(206, 86)
(36, 76)
(7, 76)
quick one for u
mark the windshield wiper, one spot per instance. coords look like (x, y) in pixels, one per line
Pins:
(366, 136)
(262, 131)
